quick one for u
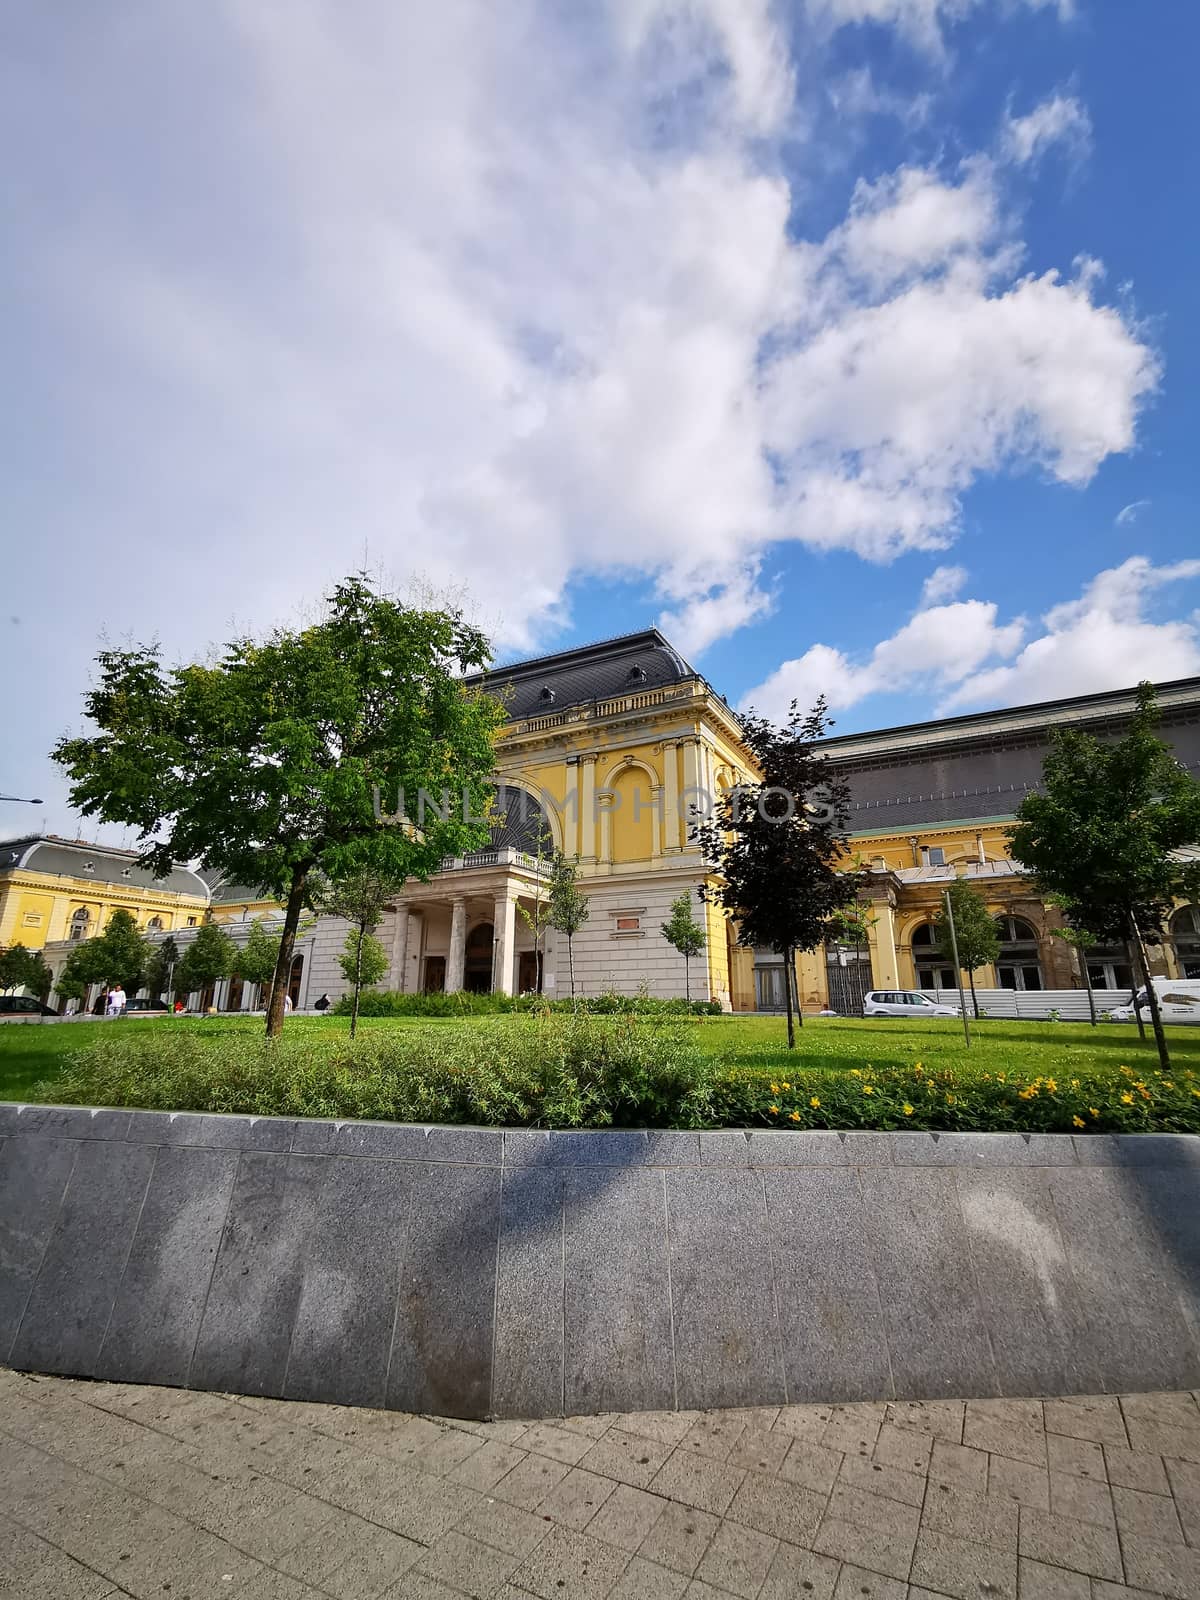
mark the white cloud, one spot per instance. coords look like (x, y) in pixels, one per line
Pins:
(1103, 640)
(943, 583)
(961, 655)
(1130, 513)
(921, 21)
(1062, 119)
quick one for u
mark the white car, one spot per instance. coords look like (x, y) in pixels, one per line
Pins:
(910, 1003)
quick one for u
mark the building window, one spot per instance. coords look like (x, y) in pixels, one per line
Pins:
(154, 925)
(1185, 936)
(191, 922)
(934, 855)
(1108, 967)
(79, 923)
(1017, 965)
(933, 970)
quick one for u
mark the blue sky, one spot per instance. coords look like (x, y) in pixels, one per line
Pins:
(853, 341)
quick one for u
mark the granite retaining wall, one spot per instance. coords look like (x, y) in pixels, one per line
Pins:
(475, 1272)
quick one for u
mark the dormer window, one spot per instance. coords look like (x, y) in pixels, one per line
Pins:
(89, 866)
(637, 673)
(125, 872)
(547, 695)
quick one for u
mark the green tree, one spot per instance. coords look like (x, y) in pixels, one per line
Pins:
(1081, 941)
(974, 931)
(22, 968)
(1105, 831)
(279, 761)
(208, 958)
(777, 847)
(361, 897)
(568, 908)
(70, 983)
(685, 934)
(257, 960)
(535, 914)
(160, 970)
(117, 956)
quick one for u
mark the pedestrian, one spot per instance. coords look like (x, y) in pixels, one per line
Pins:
(116, 1001)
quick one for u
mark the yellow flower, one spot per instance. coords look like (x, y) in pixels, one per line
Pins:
(1126, 1099)
(786, 1086)
(1074, 1083)
(795, 1115)
(1079, 1122)
(867, 1089)
(949, 1099)
(907, 1109)
(917, 1067)
(1051, 1086)
(814, 1102)
(855, 1073)
(774, 1088)
(1093, 1111)
(1167, 1084)
(773, 1109)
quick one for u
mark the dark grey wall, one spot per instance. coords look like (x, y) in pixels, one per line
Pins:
(474, 1273)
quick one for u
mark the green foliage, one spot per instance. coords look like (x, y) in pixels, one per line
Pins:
(256, 960)
(364, 960)
(22, 968)
(208, 958)
(161, 968)
(685, 934)
(390, 1003)
(974, 929)
(567, 908)
(119, 955)
(278, 762)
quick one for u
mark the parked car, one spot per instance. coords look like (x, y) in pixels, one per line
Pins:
(24, 1005)
(145, 1008)
(910, 1003)
(1178, 1001)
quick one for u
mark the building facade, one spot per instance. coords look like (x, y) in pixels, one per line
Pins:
(608, 753)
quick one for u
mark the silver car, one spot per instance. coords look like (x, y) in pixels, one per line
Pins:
(910, 1003)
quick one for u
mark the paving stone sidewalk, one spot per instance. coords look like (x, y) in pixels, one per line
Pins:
(108, 1489)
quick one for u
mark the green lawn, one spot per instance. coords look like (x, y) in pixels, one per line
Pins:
(843, 1073)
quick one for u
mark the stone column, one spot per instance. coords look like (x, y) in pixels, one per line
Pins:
(881, 943)
(671, 819)
(410, 980)
(456, 960)
(587, 808)
(399, 957)
(504, 924)
(693, 791)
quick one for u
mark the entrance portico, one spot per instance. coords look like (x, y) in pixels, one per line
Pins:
(461, 930)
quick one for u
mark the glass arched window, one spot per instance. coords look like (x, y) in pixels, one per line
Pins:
(1017, 965)
(80, 921)
(1185, 936)
(154, 925)
(933, 970)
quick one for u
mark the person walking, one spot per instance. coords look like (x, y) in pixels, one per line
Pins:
(116, 1002)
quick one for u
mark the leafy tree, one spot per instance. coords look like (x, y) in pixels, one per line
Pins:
(117, 956)
(975, 933)
(70, 984)
(686, 935)
(775, 845)
(568, 908)
(1104, 833)
(1081, 941)
(271, 763)
(257, 960)
(22, 968)
(209, 957)
(535, 914)
(160, 972)
(361, 897)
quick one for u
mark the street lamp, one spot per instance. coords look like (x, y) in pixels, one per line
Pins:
(20, 800)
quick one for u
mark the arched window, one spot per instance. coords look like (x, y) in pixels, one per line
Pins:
(154, 925)
(1017, 965)
(79, 923)
(518, 822)
(933, 970)
(1185, 936)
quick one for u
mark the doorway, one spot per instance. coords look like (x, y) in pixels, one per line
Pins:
(528, 974)
(435, 974)
(477, 962)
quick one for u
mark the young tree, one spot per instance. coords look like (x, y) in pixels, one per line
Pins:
(268, 763)
(1081, 942)
(686, 935)
(160, 972)
(568, 906)
(974, 930)
(775, 846)
(258, 958)
(1105, 832)
(22, 968)
(534, 914)
(118, 956)
(361, 897)
(208, 958)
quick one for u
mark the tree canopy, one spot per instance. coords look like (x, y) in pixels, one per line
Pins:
(685, 934)
(975, 932)
(567, 906)
(22, 968)
(209, 958)
(361, 898)
(1105, 832)
(119, 955)
(778, 847)
(281, 758)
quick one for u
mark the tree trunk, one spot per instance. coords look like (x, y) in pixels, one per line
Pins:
(287, 945)
(571, 966)
(974, 996)
(1087, 983)
(1137, 1010)
(1160, 1038)
(787, 990)
(795, 983)
(357, 979)
(687, 977)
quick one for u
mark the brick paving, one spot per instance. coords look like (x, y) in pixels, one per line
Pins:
(109, 1489)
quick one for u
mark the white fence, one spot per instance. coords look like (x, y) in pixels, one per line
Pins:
(1070, 1004)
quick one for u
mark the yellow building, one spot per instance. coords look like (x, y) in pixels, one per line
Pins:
(605, 752)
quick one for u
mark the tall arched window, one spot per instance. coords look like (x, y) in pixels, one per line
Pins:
(1185, 936)
(80, 921)
(1017, 965)
(933, 970)
(154, 925)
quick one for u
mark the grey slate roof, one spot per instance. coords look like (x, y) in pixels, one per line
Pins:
(101, 863)
(602, 671)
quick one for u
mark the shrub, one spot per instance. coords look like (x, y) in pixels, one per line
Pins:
(388, 1003)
